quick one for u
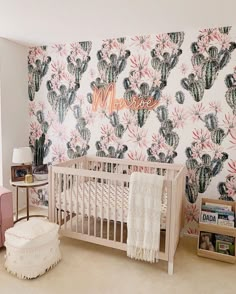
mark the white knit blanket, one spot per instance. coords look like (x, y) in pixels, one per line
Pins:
(144, 212)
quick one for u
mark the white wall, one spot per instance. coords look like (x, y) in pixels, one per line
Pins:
(14, 105)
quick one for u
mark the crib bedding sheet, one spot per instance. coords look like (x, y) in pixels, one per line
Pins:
(97, 195)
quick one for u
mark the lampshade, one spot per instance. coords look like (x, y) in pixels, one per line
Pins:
(22, 155)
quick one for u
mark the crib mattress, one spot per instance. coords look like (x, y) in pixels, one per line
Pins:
(96, 201)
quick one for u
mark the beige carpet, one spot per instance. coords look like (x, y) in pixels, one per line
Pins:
(87, 268)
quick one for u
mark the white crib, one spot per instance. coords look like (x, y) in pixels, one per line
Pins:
(88, 198)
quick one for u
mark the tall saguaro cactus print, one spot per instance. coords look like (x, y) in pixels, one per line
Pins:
(38, 64)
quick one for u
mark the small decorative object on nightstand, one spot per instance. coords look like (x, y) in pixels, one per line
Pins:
(22, 171)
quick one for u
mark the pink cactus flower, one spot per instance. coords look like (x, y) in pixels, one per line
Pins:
(191, 213)
(215, 106)
(232, 166)
(140, 64)
(138, 136)
(158, 140)
(35, 130)
(128, 119)
(142, 42)
(59, 70)
(89, 115)
(217, 150)
(163, 42)
(197, 151)
(224, 41)
(179, 117)
(229, 122)
(32, 108)
(184, 68)
(192, 231)
(107, 132)
(231, 186)
(59, 131)
(197, 111)
(58, 154)
(137, 155)
(202, 137)
(60, 49)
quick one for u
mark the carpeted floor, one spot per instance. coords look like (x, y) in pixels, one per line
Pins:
(87, 268)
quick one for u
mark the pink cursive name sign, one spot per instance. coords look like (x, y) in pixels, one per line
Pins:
(105, 99)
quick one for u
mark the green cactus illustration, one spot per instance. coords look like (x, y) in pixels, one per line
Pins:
(162, 113)
(210, 71)
(197, 59)
(206, 159)
(218, 136)
(195, 87)
(177, 38)
(211, 121)
(191, 163)
(209, 64)
(37, 71)
(142, 115)
(222, 189)
(179, 96)
(172, 139)
(203, 176)
(231, 95)
(191, 191)
(119, 130)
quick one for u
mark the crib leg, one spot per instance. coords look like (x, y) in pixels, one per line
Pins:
(170, 268)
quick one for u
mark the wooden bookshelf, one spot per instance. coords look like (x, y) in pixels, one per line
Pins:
(217, 229)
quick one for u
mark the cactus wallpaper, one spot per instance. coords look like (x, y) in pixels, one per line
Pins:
(167, 97)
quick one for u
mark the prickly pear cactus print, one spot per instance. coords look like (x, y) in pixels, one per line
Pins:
(210, 54)
(190, 77)
(149, 73)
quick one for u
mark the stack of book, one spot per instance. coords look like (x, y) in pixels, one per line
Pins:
(217, 214)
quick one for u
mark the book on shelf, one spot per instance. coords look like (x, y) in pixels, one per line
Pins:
(224, 244)
(220, 206)
(209, 217)
(217, 214)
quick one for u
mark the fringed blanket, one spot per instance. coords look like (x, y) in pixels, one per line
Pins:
(144, 212)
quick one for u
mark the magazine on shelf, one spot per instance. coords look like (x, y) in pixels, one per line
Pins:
(220, 206)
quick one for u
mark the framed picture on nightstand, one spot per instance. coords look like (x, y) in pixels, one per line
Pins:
(18, 172)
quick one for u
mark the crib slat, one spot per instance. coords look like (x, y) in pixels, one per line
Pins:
(71, 209)
(64, 190)
(83, 191)
(95, 209)
(60, 187)
(115, 218)
(108, 210)
(89, 198)
(77, 202)
(122, 212)
(101, 209)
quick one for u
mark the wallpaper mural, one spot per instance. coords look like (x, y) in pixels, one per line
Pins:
(166, 97)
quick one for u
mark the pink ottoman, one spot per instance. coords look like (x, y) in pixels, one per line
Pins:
(6, 213)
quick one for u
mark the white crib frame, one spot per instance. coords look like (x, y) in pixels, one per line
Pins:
(83, 168)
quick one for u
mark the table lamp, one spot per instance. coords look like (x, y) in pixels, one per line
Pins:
(23, 156)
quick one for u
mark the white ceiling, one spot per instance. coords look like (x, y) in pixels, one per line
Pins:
(43, 22)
